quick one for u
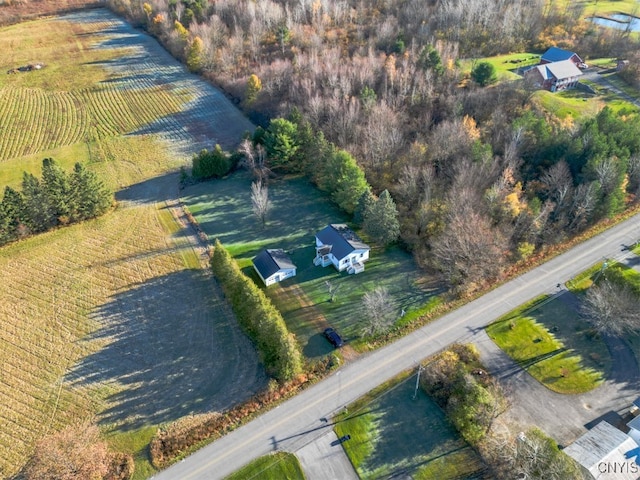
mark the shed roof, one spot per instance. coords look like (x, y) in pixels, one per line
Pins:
(342, 239)
(271, 261)
(605, 444)
(555, 54)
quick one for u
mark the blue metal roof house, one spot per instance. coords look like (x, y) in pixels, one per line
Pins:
(555, 54)
(273, 266)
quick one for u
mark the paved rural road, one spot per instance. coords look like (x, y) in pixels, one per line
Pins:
(301, 419)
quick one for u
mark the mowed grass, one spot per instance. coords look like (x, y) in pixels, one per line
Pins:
(504, 64)
(393, 432)
(570, 103)
(299, 210)
(73, 98)
(550, 341)
(278, 466)
(119, 161)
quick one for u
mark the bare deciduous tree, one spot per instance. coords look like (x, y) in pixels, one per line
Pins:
(612, 307)
(332, 288)
(378, 310)
(260, 201)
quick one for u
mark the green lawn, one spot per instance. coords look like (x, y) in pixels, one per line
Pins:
(570, 103)
(299, 210)
(504, 64)
(278, 466)
(553, 344)
(394, 433)
(581, 282)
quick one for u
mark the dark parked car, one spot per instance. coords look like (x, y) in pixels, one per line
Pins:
(333, 337)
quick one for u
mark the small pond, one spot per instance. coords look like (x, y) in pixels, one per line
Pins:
(620, 21)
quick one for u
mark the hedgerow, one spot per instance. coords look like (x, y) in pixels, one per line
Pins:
(259, 318)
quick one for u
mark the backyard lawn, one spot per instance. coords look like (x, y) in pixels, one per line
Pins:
(394, 433)
(548, 338)
(299, 210)
(505, 64)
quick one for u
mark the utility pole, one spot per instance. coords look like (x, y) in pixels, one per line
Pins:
(415, 392)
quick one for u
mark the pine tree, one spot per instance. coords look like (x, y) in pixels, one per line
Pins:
(55, 184)
(90, 197)
(11, 215)
(381, 222)
(38, 212)
(365, 203)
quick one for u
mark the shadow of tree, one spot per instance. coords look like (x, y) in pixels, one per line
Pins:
(171, 347)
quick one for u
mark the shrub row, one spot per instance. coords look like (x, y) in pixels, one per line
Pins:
(456, 380)
(259, 318)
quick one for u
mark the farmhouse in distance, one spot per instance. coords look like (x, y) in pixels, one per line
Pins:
(558, 70)
(273, 266)
(338, 245)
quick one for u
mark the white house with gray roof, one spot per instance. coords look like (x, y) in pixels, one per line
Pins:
(338, 245)
(606, 453)
(273, 266)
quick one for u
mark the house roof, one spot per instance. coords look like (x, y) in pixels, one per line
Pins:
(342, 239)
(558, 70)
(635, 423)
(555, 54)
(605, 444)
(271, 261)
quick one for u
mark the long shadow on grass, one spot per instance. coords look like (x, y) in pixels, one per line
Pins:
(171, 347)
(411, 432)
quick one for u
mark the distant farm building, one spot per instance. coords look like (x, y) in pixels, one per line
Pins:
(338, 245)
(554, 76)
(273, 266)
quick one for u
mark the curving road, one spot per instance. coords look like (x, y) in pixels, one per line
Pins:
(301, 419)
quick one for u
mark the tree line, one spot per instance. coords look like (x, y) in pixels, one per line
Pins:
(481, 176)
(258, 317)
(58, 198)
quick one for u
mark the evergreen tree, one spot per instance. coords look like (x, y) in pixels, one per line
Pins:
(281, 145)
(57, 190)
(484, 73)
(213, 164)
(365, 203)
(381, 222)
(38, 212)
(12, 214)
(90, 197)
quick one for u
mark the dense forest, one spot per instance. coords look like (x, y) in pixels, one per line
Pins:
(482, 176)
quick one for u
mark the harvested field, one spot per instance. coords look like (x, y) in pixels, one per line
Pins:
(113, 319)
(126, 83)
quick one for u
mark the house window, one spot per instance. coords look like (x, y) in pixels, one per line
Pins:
(361, 255)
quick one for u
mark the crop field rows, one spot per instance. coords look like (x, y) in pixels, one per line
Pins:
(34, 120)
(44, 322)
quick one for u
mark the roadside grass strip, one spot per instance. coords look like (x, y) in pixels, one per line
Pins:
(277, 466)
(395, 430)
(575, 364)
(581, 282)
